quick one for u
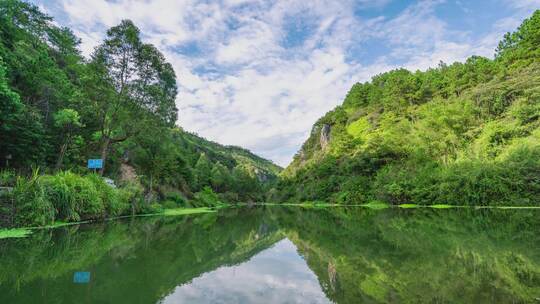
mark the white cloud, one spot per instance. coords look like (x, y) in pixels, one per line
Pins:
(259, 94)
(524, 4)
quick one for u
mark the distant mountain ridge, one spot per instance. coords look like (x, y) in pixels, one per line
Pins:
(233, 155)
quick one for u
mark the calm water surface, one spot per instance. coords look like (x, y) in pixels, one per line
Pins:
(282, 255)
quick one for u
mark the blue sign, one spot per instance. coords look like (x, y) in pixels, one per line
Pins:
(81, 277)
(95, 163)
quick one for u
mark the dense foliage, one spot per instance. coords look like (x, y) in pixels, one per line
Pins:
(59, 109)
(43, 199)
(464, 134)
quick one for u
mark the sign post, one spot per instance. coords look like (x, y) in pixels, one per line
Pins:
(81, 277)
(95, 164)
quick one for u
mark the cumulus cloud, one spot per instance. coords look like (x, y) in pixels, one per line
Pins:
(524, 4)
(259, 73)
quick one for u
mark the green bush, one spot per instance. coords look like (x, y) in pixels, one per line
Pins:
(32, 206)
(475, 183)
(131, 196)
(521, 162)
(66, 196)
(152, 208)
(8, 178)
(230, 196)
(112, 198)
(74, 197)
(168, 204)
(206, 198)
(176, 197)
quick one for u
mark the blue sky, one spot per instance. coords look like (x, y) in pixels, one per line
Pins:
(258, 73)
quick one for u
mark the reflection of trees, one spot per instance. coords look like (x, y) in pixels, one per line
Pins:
(364, 256)
(138, 262)
(358, 255)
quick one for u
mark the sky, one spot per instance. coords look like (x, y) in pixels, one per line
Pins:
(258, 73)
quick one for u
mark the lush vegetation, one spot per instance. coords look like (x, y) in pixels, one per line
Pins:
(461, 134)
(58, 109)
(43, 199)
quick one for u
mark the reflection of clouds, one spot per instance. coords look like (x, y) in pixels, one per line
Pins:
(276, 275)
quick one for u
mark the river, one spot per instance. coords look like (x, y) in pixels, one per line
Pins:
(282, 255)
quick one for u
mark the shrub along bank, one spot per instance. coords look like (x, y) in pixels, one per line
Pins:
(41, 200)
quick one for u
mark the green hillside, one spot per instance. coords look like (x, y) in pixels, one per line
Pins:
(232, 155)
(58, 109)
(463, 134)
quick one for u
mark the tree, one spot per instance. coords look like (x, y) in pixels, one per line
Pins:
(220, 177)
(243, 181)
(136, 88)
(42, 66)
(523, 44)
(10, 112)
(67, 121)
(202, 172)
(21, 131)
(156, 154)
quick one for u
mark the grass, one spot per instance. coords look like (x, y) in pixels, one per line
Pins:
(57, 224)
(443, 206)
(316, 204)
(307, 205)
(408, 206)
(26, 231)
(14, 233)
(184, 211)
(507, 207)
(376, 205)
(383, 205)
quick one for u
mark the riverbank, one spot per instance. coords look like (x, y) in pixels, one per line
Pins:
(66, 197)
(383, 205)
(26, 231)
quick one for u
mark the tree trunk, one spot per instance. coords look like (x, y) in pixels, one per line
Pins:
(60, 159)
(104, 153)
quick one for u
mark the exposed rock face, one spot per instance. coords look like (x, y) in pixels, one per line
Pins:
(332, 276)
(127, 173)
(302, 155)
(261, 175)
(314, 129)
(325, 136)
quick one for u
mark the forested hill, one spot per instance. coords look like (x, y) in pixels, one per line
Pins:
(58, 109)
(233, 155)
(464, 133)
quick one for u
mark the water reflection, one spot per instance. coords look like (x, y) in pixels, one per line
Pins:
(283, 255)
(276, 275)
